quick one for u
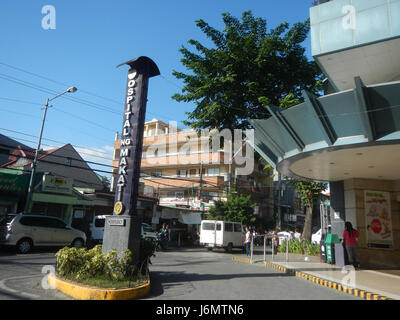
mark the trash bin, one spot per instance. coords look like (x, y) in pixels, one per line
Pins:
(323, 248)
(330, 241)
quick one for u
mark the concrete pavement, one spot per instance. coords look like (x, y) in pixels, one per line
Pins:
(368, 284)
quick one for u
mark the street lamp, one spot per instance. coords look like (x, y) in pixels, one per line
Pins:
(29, 195)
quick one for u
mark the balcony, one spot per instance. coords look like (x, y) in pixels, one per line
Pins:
(183, 159)
(352, 38)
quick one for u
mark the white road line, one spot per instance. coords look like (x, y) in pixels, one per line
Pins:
(4, 287)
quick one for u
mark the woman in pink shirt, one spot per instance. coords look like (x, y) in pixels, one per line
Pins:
(350, 237)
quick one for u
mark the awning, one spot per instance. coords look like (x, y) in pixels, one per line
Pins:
(190, 218)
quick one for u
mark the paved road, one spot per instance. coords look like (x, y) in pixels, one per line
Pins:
(21, 275)
(200, 275)
(179, 274)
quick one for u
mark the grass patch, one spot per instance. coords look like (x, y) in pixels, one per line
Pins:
(105, 283)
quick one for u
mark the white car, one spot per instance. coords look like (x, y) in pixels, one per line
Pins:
(97, 229)
(282, 236)
(27, 230)
(316, 237)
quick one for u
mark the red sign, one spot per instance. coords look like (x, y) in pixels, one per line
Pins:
(376, 226)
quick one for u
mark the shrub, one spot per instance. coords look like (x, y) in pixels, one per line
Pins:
(82, 264)
(300, 247)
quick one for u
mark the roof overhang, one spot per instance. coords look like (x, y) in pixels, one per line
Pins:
(353, 133)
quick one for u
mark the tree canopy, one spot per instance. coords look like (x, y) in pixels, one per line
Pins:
(247, 68)
(237, 208)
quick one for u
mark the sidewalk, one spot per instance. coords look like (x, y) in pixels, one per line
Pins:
(369, 284)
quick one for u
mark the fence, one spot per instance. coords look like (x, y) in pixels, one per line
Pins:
(273, 250)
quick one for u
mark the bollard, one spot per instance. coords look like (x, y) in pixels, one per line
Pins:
(265, 247)
(287, 249)
(251, 250)
(273, 248)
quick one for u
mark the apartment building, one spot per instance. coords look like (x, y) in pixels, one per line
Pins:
(185, 170)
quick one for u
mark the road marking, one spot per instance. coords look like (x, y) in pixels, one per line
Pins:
(29, 295)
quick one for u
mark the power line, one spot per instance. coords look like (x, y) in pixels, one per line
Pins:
(63, 143)
(59, 164)
(66, 85)
(57, 156)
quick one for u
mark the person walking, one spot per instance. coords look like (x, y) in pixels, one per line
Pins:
(247, 241)
(164, 236)
(350, 237)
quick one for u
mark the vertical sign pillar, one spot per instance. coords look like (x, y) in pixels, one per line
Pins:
(123, 229)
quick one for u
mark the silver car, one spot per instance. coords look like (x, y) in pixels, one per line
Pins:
(27, 230)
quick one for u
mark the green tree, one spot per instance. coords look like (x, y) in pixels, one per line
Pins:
(246, 69)
(105, 181)
(308, 192)
(237, 208)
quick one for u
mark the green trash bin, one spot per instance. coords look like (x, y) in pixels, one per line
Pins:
(330, 241)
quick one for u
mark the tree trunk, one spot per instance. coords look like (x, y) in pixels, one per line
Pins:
(307, 230)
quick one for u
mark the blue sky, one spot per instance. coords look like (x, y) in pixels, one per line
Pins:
(91, 38)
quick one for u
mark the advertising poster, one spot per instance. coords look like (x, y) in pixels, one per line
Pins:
(378, 219)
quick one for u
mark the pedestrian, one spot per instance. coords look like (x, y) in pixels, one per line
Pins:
(350, 237)
(297, 234)
(164, 236)
(247, 241)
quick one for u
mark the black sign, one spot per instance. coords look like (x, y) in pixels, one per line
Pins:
(141, 69)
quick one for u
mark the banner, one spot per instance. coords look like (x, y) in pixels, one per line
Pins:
(378, 219)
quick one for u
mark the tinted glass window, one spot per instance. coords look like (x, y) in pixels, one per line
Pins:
(30, 221)
(99, 223)
(219, 226)
(238, 228)
(208, 226)
(58, 224)
(47, 222)
(229, 227)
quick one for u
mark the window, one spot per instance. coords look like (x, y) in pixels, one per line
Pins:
(209, 226)
(68, 162)
(156, 173)
(192, 172)
(99, 223)
(180, 195)
(170, 194)
(181, 173)
(213, 171)
(228, 227)
(238, 227)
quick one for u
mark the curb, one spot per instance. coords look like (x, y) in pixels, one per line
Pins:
(319, 281)
(82, 292)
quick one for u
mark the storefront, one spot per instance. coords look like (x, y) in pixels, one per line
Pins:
(12, 191)
(183, 224)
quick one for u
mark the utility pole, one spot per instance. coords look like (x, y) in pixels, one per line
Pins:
(35, 160)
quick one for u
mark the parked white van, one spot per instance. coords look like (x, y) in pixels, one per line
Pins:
(221, 234)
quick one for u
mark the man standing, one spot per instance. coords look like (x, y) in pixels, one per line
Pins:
(247, 241)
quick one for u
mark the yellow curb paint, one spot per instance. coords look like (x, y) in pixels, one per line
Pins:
(82, 292)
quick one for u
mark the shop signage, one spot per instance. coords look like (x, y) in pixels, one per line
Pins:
(378, 219)
(56, 184)
(127, 188)
(15, 184)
